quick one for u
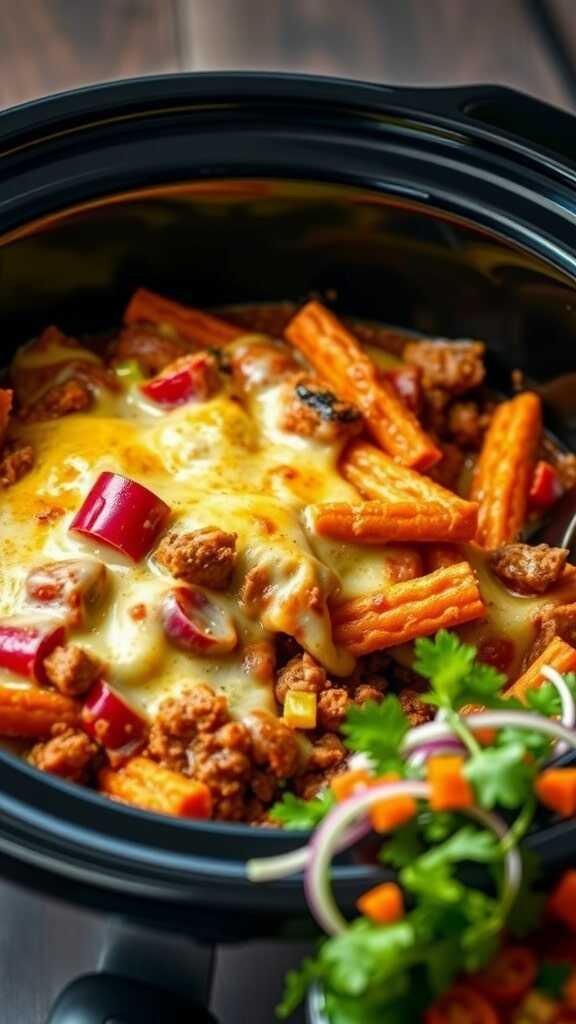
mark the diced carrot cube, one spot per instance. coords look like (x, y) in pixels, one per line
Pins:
(383, 904)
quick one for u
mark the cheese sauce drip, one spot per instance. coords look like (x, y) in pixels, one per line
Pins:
(225, 462)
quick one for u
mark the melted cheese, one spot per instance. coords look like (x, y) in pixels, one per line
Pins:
(226, 463)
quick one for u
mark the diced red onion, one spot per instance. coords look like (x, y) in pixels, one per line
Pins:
(195, 623)
(110, 719)
(122, 514)
(23, 648)
(326, 840)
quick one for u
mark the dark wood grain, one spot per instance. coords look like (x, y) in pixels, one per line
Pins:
(399, 41)
(49, 45)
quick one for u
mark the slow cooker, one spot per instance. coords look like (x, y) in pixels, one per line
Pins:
(449, 211)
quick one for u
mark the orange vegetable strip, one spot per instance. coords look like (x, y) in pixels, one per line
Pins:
(376, 475)
(558, 655)
(347, 783)
(383, 904)
(556, 788)
(145, 784)
(378, 522)
(5, 407)
(504, 469)
(339, 359)
(440, 600)
(389, 813)
(440, 556)
(33, 712)
(192, 324)
(449, 788)
(562, 902)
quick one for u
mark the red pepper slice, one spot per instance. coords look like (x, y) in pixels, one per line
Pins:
(407, 383)
(190, 378)
(122, 514)
(110, 720)
(545, 488)
(23, 648)
(193, 622)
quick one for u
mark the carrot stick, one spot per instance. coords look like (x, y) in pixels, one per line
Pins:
(375, 475)
(378, 522)
(32, 713)
(145, 784)
(558, 655)
(5, 407)
(192, 324)
(441, 600)
(504, 469)
(339, 359)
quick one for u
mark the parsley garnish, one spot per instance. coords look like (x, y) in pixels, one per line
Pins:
(378, 731)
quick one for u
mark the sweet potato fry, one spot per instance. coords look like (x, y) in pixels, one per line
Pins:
(504, 469)
(558, 654)
(378, 522)
(145, 784)
(32, 712)
(441, 600)
(192, 324)
(339, 359)
(375, 475)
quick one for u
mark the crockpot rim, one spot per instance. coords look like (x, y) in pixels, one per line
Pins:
(32, 115)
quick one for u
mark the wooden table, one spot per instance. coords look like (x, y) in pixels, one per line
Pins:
(50, 45)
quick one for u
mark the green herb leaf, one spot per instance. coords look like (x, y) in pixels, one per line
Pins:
(500, 776)
(294, 813)
(551, 978)
(528, 908)
(378, 731)
(296, 985)
(445, 661)
(404, 846)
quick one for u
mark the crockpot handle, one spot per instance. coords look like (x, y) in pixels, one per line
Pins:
(111, 999)
(497, 108)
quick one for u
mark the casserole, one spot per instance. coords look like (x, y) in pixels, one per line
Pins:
(426, 209)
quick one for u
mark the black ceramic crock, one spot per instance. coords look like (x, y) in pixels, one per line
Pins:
(450, 211)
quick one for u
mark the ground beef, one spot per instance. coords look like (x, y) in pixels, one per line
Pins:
(310, 410)
(71, 396)
(205, 557)
(450, 366)
(528, 569)
(551, 621)
(301, 673)
(70, 754)
(70, 586)
(264, 786)
(197, 709)
(328, 758)
(332, 707)
(222, 761)
(414, 707)
(71, 669)
(274, 744)
(362, 694)
(15, 461)
(467, 424)
(253, 590)
(153, 350)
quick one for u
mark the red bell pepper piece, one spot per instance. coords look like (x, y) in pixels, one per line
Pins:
(24, 647)
(193, 622)
(111, 721)
(545, 488)
(407, 383)
(190, 378)
(122, 514)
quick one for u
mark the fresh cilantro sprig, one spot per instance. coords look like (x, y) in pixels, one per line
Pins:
(294, 813)
(378, 731)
